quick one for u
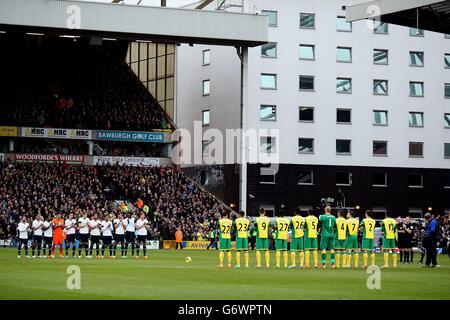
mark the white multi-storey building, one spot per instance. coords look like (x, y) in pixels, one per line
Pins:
(363, 115)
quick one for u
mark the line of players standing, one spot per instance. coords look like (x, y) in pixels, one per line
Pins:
(103, 232)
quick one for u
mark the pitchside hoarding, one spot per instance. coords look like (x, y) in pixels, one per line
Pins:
(128, 161)
(8, 131)
(57, 133)
(62, 158)
(133, 136)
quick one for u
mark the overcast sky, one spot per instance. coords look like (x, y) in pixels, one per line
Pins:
(170, 3)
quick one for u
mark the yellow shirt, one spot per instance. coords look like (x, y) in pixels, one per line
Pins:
(263, 224)
(311, 226)
(242, 225)
(389, 228)
(369, 228)
(225, 228)
(341, 226)
(282, 228)
(352, 226)
(298, 226)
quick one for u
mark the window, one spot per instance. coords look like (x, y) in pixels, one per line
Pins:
(344, 54)
(205, 117)
(206, 87)
(343, 146)
(272, 17)
(380, 56)
(416, 119)
(447, 120)
(305, 145)
(380, 117)
(306, 83)
(206, 57)
(447, 36)
(307, 21)
(343, 25)
(447, 60)
(267, 174)
(344, 85)
(268, 81)
(306, 177)
(306, 114)
(380, 148)
(446, 182)
(447, 150)
(447, 90)
(414, 32)
(382, 28)
(415, 180)
(380, 87)
(416, 149)
(344, 116)
(379, 179)
(269, 50)
(268, 113)
(205, 147)
(416, 58)
(343, 178)
(307, 52)
(267, 145)
(416, 89)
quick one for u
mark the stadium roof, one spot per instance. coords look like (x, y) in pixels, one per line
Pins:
(433, 15)
(159, 24)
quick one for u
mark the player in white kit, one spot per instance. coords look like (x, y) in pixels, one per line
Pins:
(70, 228)
(83, 234)
(47, 227)
(23, 228)
(107, 228)
(36, 227)
(120, 225)
(141, 228)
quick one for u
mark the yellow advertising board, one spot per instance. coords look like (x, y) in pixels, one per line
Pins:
(8, 131)
(192, 245)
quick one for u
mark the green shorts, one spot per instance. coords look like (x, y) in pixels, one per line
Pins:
(327, 243)
(388, 244)
(368, 244)
(242, 244)
(297, 244)
(281, 244)
(262, 244)
(351, 243)
(225, 244)
(311, 243)
(339, 244)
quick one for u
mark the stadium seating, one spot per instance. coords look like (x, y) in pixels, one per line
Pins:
(31, 188)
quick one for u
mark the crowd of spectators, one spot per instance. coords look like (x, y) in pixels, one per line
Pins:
(71, 85)
(125, 149)
(174, 200)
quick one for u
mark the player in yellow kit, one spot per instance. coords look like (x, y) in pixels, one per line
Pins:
(241, 226)
(368, 244)
(351, 243)
(281, 235)
(311, 242)
(297, 238)
(388, 228)
(225, 225)
(341, 235)
(262, 238)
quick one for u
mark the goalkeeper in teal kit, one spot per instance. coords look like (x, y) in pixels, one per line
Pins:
(327, 236)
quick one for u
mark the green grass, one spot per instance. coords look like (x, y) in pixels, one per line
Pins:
(166, 276)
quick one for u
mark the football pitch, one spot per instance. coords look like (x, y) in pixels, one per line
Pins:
(166, 276)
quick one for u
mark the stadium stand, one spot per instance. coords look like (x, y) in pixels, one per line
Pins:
(32, 188)
(85, 86)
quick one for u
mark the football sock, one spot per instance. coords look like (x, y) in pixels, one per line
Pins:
(344, 259)
(278, 257)
(258, 258)
(386, 259)
(302, 259)
(307, 258)
(238, 258)
(401, 256)
(293, 258)
(246, 258)
(229, 258)
(394, 259)
(372, 258)
(356, 260)
(267, 258)
(365, 258)
(349, 258)
(338, 260)
(411, 255)
(324, 257)
(333, 257)
(285, 258)
(315, 257)
(221, 255)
